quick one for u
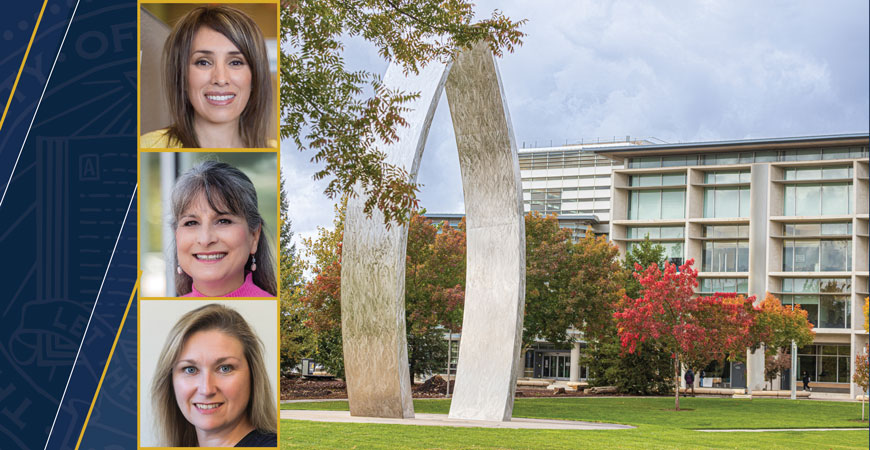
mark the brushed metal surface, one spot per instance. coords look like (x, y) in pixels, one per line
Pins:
(373, 258)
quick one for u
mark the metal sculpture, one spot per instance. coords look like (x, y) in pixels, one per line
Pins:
(373, 256)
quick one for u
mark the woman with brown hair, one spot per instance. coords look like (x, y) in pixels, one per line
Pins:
(211, 387)
(221, 247)
(217, 82)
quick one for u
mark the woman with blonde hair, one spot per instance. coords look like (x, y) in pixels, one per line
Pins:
(217, 82)
(211, 387)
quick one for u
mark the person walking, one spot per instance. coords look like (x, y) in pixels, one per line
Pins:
(806, 380)
(701, 378)
(690, 381)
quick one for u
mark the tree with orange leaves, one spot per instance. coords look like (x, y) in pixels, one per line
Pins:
(776, 326)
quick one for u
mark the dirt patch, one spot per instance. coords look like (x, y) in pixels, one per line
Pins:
(299, 388)
(294, 388)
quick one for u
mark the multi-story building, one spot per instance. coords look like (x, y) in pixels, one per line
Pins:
(786, 216)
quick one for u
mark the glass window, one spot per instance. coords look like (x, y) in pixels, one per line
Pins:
(673, 204)
(650, 205)
(835, 199)
(765, 156)
(789, 201)
(842, 370)
(672, 179)
(806, 256)
(832, 312)
(807, 199)
(828, 369)
(726, 202)
(834, 285)
(672, 232)
(836, 228)
(830, 173)
(744, 203)
(811, 154)
(807, 174)
(709, 203)
(673, 161)
(738, 285)
(835, 153)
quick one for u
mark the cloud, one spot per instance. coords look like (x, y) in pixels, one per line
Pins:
(674, 70)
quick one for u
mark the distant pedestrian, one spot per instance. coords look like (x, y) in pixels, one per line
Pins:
(701, 378)
(806, 380)
(690, 380)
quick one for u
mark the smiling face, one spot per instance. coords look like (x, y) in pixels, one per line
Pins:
(213, 247)
(212, 384)
(218, 79)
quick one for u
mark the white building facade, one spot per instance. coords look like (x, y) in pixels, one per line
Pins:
(785, 216)
(788, 216)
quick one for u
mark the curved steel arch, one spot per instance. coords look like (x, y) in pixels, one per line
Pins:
(373, 257)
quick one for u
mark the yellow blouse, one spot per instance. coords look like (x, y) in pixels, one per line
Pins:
(161, 139)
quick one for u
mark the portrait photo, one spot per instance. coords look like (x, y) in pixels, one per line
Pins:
(208, 224)
(208, 373)
(208, 75)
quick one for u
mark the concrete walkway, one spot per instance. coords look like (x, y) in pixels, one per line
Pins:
(766, 430)
(441, 420)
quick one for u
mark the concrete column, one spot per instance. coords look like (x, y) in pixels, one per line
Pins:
(758, 242)
(575, 362)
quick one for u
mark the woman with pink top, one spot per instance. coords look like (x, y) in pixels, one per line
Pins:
(221, 249)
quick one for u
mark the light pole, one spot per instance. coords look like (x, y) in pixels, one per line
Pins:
(793, 370)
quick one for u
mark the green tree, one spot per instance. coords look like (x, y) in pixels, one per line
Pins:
(297, 340)
(548, 273)
(646, 371)
(321, 297)
(434, 292)
(327, 108)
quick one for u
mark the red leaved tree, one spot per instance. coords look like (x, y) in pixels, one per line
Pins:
(693, 330)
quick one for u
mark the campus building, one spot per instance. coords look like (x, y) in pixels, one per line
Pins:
(787, 216)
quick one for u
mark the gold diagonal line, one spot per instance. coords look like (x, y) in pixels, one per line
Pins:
(23, 60)
(106, 368)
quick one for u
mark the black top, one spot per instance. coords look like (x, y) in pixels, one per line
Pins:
(257, 438)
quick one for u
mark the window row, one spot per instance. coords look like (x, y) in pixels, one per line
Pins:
(817, 229)
(814, 154)
(656, 232)
(673, 251)
(818, 200)
(726, 231)
(658, 179)
(823, 311)
(822, 366)
(711, 285)
(817, 256)
(726, 256)
(664, 204)
(724, 177)
(818, 173)
(726, 202)
(569, 178)
(817, 285)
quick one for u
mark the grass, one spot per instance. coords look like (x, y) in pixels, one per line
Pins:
(658, 426)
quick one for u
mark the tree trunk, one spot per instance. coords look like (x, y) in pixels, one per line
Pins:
(676, 384)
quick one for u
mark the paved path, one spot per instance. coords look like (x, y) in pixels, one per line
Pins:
(441, 420)
(765, 430)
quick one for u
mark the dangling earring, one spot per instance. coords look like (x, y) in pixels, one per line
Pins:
(178, 269)
(253, 263)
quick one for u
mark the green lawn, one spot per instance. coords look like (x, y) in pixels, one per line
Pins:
(657, 426)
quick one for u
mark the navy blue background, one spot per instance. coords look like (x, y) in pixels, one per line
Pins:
(61, 236)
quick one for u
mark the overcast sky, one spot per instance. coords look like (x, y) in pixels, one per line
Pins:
(682, 71)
